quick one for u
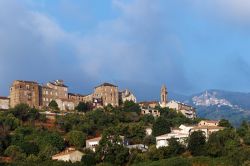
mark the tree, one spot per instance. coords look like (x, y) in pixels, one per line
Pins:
(147, 119)
(15, 152)
(76, 138)
(53, 139)
(225, 123)
(83, 107)
(161, 126)
(130, 106)
(89, 158)
(149, 140)
(175, 147)
(246, 138)
(29, 148)
(111, 148)
(53, 105)
(222, 142)
(196, 143)
(243, 129)
(21, 111)
(47, 152)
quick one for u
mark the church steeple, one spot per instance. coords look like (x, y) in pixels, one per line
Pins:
(164, 96)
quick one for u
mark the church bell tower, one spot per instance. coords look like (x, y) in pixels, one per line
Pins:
(164, 96)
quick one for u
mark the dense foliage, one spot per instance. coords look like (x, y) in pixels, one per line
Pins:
(27, 139)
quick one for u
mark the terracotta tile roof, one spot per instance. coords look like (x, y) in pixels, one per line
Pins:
(149, 102)
(211, 121)
(208, 127)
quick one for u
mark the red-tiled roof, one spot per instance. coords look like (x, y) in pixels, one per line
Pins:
(211, 121)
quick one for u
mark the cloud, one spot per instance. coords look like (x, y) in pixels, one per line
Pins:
(31, 45)
(231, 10)
(136, 46)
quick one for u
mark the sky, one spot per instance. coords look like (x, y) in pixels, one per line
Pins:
(189, 45)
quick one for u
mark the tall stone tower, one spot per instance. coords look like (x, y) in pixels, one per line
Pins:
(164, 96)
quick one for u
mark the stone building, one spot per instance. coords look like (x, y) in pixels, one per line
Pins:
(164, 96)
(149, 104)
(150, 111)
(48, 94)
(185, 109)
(77, 97)
(108, 93)
(65, 104)
(28, 92)
(126, 95)
(4, 103)
(61, 90)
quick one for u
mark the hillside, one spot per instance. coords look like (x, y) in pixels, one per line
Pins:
(218, 104)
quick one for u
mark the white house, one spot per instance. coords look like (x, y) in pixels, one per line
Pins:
(185, 109)
(181, 134)
(92, 143)
(65, 104)
(4, 103)
(126, 95)
(69, 154)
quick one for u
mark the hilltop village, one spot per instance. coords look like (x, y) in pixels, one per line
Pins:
(46, 123)
(41, 96)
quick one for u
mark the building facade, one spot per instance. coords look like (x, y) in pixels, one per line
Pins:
(181, 134)
(185, 109)
(126, 95)
(4, 103)
(61, 90)
(150, 111)
(108, 93)
(27, 92)
(40, 96)
(48, 94)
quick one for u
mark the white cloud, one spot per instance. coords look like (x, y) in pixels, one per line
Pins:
(235, 10)
(30, 44)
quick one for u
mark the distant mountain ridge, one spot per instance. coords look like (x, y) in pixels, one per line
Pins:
(218, 104)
